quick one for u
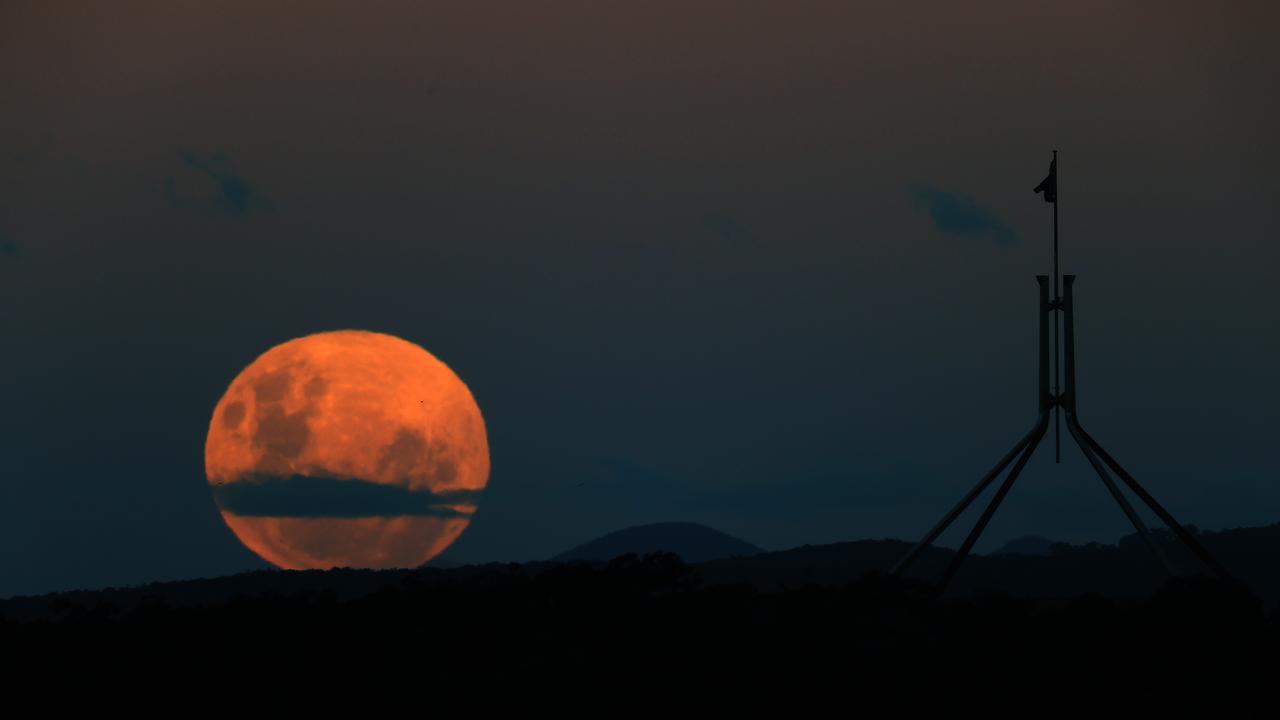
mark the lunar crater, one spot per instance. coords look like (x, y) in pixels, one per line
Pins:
(233, 415)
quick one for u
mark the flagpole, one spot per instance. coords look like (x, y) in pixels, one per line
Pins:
(1057, 300)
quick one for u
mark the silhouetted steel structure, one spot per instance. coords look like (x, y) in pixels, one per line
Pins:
(1063, 402)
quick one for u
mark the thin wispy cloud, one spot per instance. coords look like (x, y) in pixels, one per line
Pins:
(210, 181)
(11, 250)
(731, 231)
(959, 215)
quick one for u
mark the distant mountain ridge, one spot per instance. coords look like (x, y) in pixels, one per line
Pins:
(693, 542)
(1026, 545)
(1251, 554)
(1126, 569)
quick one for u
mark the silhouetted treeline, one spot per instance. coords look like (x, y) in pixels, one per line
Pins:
(648, 631)
(1126, 569)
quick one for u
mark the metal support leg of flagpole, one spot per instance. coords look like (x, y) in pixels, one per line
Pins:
(1186, 537)
(961, 506)
(1045, 403)
(1074, 427)
(1089, 444)
(1038, 431)
(1069, 403)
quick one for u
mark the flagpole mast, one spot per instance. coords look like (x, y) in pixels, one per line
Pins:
(1057, 301)
(1061, 402)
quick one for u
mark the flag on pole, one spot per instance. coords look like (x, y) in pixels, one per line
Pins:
(1049, 185)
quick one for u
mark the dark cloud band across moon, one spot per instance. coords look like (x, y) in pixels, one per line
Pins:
(324, 497)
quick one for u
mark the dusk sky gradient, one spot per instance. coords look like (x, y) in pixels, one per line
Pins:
(767, 266)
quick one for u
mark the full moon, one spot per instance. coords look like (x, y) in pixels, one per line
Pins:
(347, 449)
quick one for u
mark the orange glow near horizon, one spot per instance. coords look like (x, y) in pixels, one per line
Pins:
(362, 409)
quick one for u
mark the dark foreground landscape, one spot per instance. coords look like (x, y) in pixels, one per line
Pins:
(651, 629)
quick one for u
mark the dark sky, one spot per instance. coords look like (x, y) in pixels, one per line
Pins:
(763, 265)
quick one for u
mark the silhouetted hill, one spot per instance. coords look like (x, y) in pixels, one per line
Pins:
(339, 584)
(1027, 545)
(694, 543)
(1126, 569)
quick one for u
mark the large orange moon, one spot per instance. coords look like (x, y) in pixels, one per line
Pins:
(347, 449)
